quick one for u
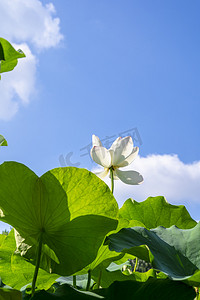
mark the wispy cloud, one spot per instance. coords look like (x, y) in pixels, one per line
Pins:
(30, 21)
(164, 175)
(16, 87)
(32, 27)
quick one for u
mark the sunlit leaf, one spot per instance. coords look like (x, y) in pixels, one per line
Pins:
(72, 208)
(3, 141)
(81, 281)
(108, 276)
(15, 271)
(8, 56)
(2, 238)
(156, 211)
(103, 259)
(105, 256)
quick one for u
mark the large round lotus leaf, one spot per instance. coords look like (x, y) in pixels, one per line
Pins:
(152, 289)
(108, 276)
(175, 251)
(71, 208)
(156, 211)
(104, 257)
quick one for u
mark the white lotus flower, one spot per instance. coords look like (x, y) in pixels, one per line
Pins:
(120, 154)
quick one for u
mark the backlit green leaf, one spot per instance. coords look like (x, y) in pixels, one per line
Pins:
(72, 207)
(8, 56)
(15, 271)
(108, 277)
(3, 141)
(156, 211)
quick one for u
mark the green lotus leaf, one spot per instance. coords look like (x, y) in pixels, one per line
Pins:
(81, 281)
(15, 271)
(8, 56)
(2, 238)
(175, 251)
(3, 141)
(156, 211)
(105, 256)
(103, 259)
(8, 294)
(108, 276)
(64, 292)
(71, 208)
(152, 289)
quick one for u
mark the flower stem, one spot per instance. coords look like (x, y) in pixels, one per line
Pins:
(88, 281)
(74, 281)
(39, 251)
(99, 280)
(112, 179)
(136, 262)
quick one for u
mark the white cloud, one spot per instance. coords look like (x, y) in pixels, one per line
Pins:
(29, 24)
(16, 87)
(164, 175)
(30, 21)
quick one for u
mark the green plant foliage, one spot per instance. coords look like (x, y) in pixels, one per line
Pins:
(109, 276)
(2, 238)
(15, 271)
(71, 208)
(105, 256)
(8, 56)
(152, 289)
(150, 213)
(64, 292)
(174, 250)
(81, 281)
(156, 211)
(101, 268)
(8, 294)
(3, 141)
(69, 212)
(103, 259)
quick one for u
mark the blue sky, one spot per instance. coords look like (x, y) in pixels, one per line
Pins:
(106, 67)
